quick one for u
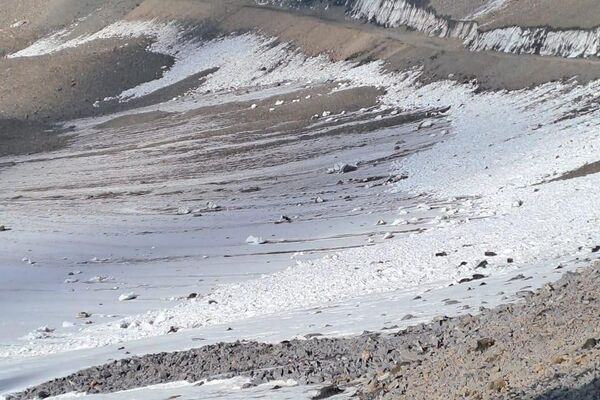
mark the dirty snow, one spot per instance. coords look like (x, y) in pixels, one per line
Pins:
(503, 159)
(486, 173)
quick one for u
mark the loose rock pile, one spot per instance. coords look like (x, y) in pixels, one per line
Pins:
(543, 348)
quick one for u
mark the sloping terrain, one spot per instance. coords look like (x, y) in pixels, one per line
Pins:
(183, 173)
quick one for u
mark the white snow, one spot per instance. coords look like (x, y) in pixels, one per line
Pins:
(215, 389)
(493, 144)
(502, 145)
(122, 30)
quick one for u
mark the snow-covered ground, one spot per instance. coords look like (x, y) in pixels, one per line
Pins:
(218, 389)
(478, 194)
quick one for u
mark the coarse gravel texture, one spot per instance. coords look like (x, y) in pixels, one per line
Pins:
(542, 348)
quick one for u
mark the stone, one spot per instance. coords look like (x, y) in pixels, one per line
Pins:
(250, 189)
(128, 296)
(425, 124)
(254, 240)
(284, 219)
(590, 344)
(484, 344)
(342, 168)
(497, 385)
(327, 391)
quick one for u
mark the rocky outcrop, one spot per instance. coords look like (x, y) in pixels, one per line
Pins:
(395, 13)
(543, 41)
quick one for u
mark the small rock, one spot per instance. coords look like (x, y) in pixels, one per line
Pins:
(441, 254)
(388, 235)
(590, 344)
(212, 206)
(484, 344)
(84, 315)
(253, 240)
(517, 278)
(558, 359)
(342, 168)
(490, 254)
(482, 264)
(524, 293)
(312, 335)
(327, 391)
(497, 385)
(183, 211)
(284, 219)
(3, 228)
(425, 124)
(250, 189)
(474, 277)
(128, 296)
(192, 296)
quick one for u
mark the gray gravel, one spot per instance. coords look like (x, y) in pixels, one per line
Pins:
(542, 348)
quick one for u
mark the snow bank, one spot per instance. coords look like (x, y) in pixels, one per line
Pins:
(504, 142)
(122, 30)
